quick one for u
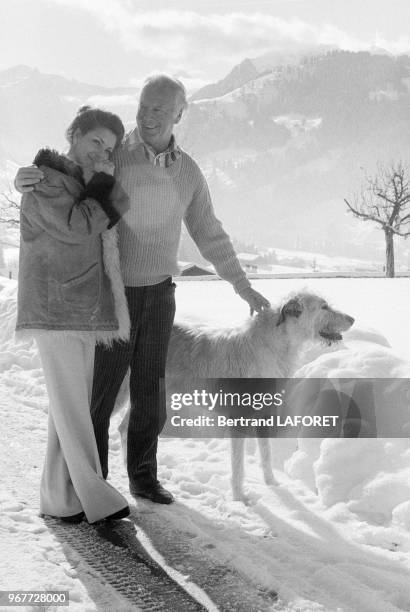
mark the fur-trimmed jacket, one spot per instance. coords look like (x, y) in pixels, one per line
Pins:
(69, 271)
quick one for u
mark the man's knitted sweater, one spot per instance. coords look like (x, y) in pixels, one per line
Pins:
(160, 198)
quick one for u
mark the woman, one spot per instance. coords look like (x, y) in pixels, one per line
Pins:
(71, 296)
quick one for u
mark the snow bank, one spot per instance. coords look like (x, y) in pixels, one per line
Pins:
(372, 476)
(23, 354)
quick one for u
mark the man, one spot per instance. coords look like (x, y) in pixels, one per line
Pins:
(165, 187)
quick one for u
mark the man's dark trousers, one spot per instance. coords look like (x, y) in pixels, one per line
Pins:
(152, 311)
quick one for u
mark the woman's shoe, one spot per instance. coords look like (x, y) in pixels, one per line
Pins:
(116, 516)
(123, 513)
(74, 518)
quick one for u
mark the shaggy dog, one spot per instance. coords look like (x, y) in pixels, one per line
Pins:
(266, 346)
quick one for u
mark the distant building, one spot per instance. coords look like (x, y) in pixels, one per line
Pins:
(192, 269)
(248, 261)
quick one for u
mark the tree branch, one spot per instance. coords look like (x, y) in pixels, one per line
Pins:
(384, 198)
(364, 216)
(9, 209)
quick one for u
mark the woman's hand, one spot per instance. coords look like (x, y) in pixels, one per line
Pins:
(104, 166)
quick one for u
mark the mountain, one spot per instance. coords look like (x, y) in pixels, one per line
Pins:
(336, 99)
(36, 109)
(282, 144)
(251, 69)
(241, 74)
(290, 57)
(284, 149)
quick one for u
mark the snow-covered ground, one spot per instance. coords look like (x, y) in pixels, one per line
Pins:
(328, 263)
(334, 535)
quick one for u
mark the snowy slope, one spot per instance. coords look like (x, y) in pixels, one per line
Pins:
(333, 536)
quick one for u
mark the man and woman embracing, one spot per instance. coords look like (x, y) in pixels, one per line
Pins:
(100, 228)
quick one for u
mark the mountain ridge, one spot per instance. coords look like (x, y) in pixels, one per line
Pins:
(280, 150)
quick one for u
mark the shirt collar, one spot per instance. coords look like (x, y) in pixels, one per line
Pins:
(163, 159)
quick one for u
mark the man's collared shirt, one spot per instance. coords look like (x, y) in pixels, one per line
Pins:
(164, 159)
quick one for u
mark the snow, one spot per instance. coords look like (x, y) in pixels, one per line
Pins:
(233, 104)
(334, 535)
(326, 263)
(382, 94)
(297, 123)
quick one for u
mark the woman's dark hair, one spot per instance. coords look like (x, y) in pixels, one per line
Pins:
(88, 119)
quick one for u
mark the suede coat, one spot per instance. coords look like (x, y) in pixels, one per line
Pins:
(69, 271)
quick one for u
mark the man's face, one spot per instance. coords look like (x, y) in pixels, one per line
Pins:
(159, 110)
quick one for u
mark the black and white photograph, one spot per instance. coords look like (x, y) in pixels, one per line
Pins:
(204, 305)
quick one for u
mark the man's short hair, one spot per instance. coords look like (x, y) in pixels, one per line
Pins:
(175, 84)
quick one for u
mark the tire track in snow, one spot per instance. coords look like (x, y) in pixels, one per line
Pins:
(175, 574)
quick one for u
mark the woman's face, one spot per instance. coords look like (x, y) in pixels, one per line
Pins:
(94, 146)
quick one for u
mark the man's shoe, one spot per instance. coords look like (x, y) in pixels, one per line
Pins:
(154, 492)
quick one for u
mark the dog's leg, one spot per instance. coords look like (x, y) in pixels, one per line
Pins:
(237, 464)
(266, 460)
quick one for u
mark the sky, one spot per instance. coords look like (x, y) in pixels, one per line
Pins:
(119, 42)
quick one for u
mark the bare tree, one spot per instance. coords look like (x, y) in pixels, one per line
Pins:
(385, 199)
(9, 207)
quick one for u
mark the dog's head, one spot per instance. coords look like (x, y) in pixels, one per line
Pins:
(314, 318)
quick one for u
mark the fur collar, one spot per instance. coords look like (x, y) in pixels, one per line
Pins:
(53, 159)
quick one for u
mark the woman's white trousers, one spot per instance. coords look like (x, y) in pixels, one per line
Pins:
(72, 479)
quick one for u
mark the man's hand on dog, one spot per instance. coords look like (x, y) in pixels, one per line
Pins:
(26, 178)
(255, 300)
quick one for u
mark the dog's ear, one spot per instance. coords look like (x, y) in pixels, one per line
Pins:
(292, 308)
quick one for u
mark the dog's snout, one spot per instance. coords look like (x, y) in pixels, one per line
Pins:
(350, 320)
